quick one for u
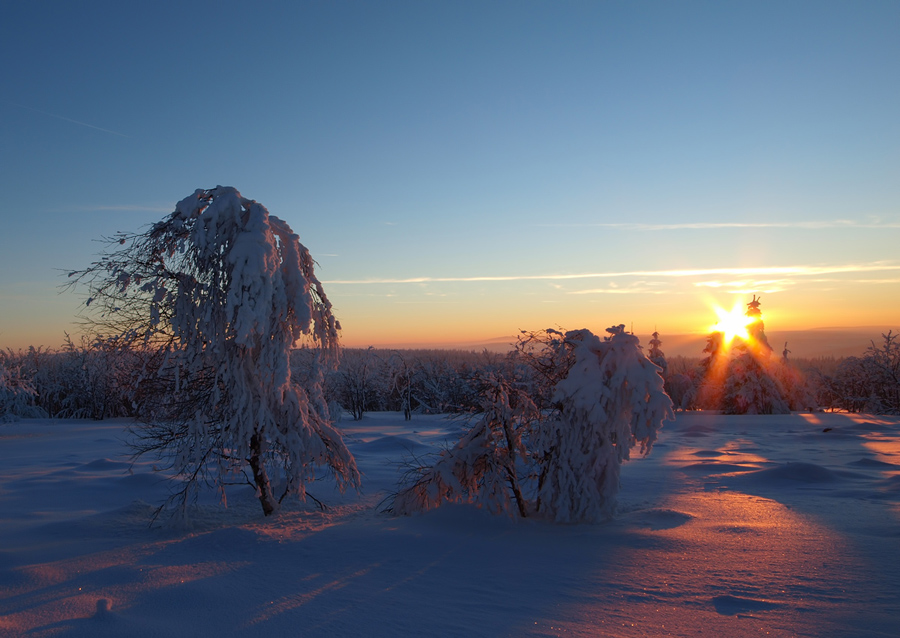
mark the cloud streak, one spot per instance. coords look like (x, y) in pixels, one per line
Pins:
(796, 271)
(810, 225)
(67, 119)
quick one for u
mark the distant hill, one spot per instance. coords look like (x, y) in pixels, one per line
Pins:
(816, 342)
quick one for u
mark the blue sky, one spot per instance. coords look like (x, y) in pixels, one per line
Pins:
(463, 170)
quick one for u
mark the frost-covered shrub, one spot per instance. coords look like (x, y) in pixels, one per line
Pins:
(216, 295)
(870, 383)
(883, 367)
(92, 380)
(555, 449)
(410, 381)
(357, 383)
(484, 466)
(17, 394)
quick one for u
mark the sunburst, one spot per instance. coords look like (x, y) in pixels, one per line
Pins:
(732, 323)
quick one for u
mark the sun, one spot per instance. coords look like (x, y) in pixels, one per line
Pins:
(732, 323)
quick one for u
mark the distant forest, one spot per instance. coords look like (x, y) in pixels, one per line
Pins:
(98, 380)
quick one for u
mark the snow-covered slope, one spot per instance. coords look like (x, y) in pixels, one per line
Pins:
(786, 525)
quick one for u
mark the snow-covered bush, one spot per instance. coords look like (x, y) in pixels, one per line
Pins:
(216, 295)
(555, 449)
(410, 381)
(17, 394)
(883, 365)
(870, 383)
(484, 466)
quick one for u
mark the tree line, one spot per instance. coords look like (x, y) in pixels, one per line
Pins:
(97, 380)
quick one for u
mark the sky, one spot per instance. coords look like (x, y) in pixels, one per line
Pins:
(465, 170)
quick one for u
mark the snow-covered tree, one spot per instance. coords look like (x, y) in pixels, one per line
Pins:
(752, 385)
(217, 294)
(562, 462)
(488, 463)
(707, 394)
(611, 400)
(656, 355)
(870, 383)
(356, 382)
(746, 377)
(884, 374)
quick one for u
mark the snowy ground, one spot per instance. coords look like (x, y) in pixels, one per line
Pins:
(733, 526)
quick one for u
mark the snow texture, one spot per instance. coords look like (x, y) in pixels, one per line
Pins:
(791, 531)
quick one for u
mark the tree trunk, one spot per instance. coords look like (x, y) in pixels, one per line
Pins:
(260, 476)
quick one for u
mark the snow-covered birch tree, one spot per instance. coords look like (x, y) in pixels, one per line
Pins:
(216, 295)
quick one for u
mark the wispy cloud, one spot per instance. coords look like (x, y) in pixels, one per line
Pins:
(620, 291)
(745, 283)
(67, 119)
(808, 225)
(762, 271)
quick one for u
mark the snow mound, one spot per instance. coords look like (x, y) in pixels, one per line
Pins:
(127, 521)
(868, 426)
(732, 605)
(719, 468)
(141, 480)
(103, 465)
(808, 473)
(873, 463)
(219, 541)
(659, 519)
(696, 431)
(892, 483)
(391, 444)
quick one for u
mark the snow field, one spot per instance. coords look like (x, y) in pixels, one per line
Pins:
(734, 526)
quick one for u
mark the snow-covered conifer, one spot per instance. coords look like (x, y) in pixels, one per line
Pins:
(746, 377)
(751, 387)
(656, 355)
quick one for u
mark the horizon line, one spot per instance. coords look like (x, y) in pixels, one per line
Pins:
(810, 225)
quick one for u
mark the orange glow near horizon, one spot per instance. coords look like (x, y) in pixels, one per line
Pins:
(732, 323)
